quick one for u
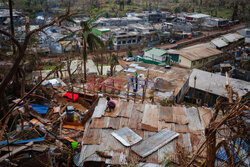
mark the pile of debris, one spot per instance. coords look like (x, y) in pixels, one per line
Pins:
(46, 127)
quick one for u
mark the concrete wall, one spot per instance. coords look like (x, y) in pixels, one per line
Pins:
(198, 63)
(184, 62)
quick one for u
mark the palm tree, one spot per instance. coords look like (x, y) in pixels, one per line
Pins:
(110, 47)
(87, 39)
(113, 62)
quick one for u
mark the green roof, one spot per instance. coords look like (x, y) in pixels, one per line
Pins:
(99, 31)
(156, 51)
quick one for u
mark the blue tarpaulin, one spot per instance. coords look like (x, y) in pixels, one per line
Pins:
(22, 141)
(222, 153)
(41, 109)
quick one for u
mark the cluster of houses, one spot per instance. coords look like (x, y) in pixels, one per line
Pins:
(194, 56)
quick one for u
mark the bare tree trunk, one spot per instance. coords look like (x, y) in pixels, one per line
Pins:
(85, 60)
(111, 64)
(211, 147)
(12, 24)
(102, 64)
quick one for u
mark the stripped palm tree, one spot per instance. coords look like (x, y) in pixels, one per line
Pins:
(88, 40)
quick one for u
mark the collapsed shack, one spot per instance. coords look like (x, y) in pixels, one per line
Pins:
(45, 127)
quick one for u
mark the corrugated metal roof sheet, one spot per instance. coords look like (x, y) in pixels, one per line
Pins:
(194, 125)
(205, 116)
(180, 115)
(233, 37)
(150, 118)
(199, 52)
(126, 136)
(214, 83)
(98, 133)
(154, 142)
(219, 43)
(100, 108)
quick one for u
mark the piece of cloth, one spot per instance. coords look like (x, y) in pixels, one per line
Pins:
(68, 96)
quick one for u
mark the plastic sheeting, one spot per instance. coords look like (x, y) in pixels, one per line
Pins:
(40, 109)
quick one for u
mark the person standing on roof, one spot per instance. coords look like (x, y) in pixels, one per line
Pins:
(111, 105)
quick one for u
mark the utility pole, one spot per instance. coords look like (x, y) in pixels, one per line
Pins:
(145, 87)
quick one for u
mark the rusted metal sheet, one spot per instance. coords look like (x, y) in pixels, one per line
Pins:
(152, 158)
(181, 128)
(136, 117)
(126, 136)
(180, 115)
(142, 164)
(92, 136)
(153, 143)
(205, 116)
(113, 123)
(125, 109)
(100, 108)
(194, 125)
(185, 142)
(98, 123)
(88, 153)
(139, 132)
(124, 122)
(109, 142)
(150, 118)
(164, 125)
(167, 150)
(119, 158)
(196, 140)
(166, 114)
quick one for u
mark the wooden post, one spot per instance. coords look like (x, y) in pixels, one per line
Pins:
(145, 87)
(128, 94)
(16, 151)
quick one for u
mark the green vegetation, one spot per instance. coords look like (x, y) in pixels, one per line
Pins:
(231, 9)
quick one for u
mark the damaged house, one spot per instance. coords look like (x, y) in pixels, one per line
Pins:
(206, 87)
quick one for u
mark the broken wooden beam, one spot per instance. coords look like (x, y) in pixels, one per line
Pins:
(16, 151)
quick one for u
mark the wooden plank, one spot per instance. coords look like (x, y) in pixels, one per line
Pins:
(75, 127)
(150, 118)
(35, 147)
(166, 114)
(16, 151)
(180, 115)
(136, 116)
(92, 136)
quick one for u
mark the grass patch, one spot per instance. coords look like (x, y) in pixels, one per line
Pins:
(50, 67)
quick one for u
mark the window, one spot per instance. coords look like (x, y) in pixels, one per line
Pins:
(119, 42)
(205, 60)
(134, 41)
(200, 61)
(129, 41)
(193, 63)
(124, 42)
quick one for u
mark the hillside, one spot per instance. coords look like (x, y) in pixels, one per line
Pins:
(231, 9)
